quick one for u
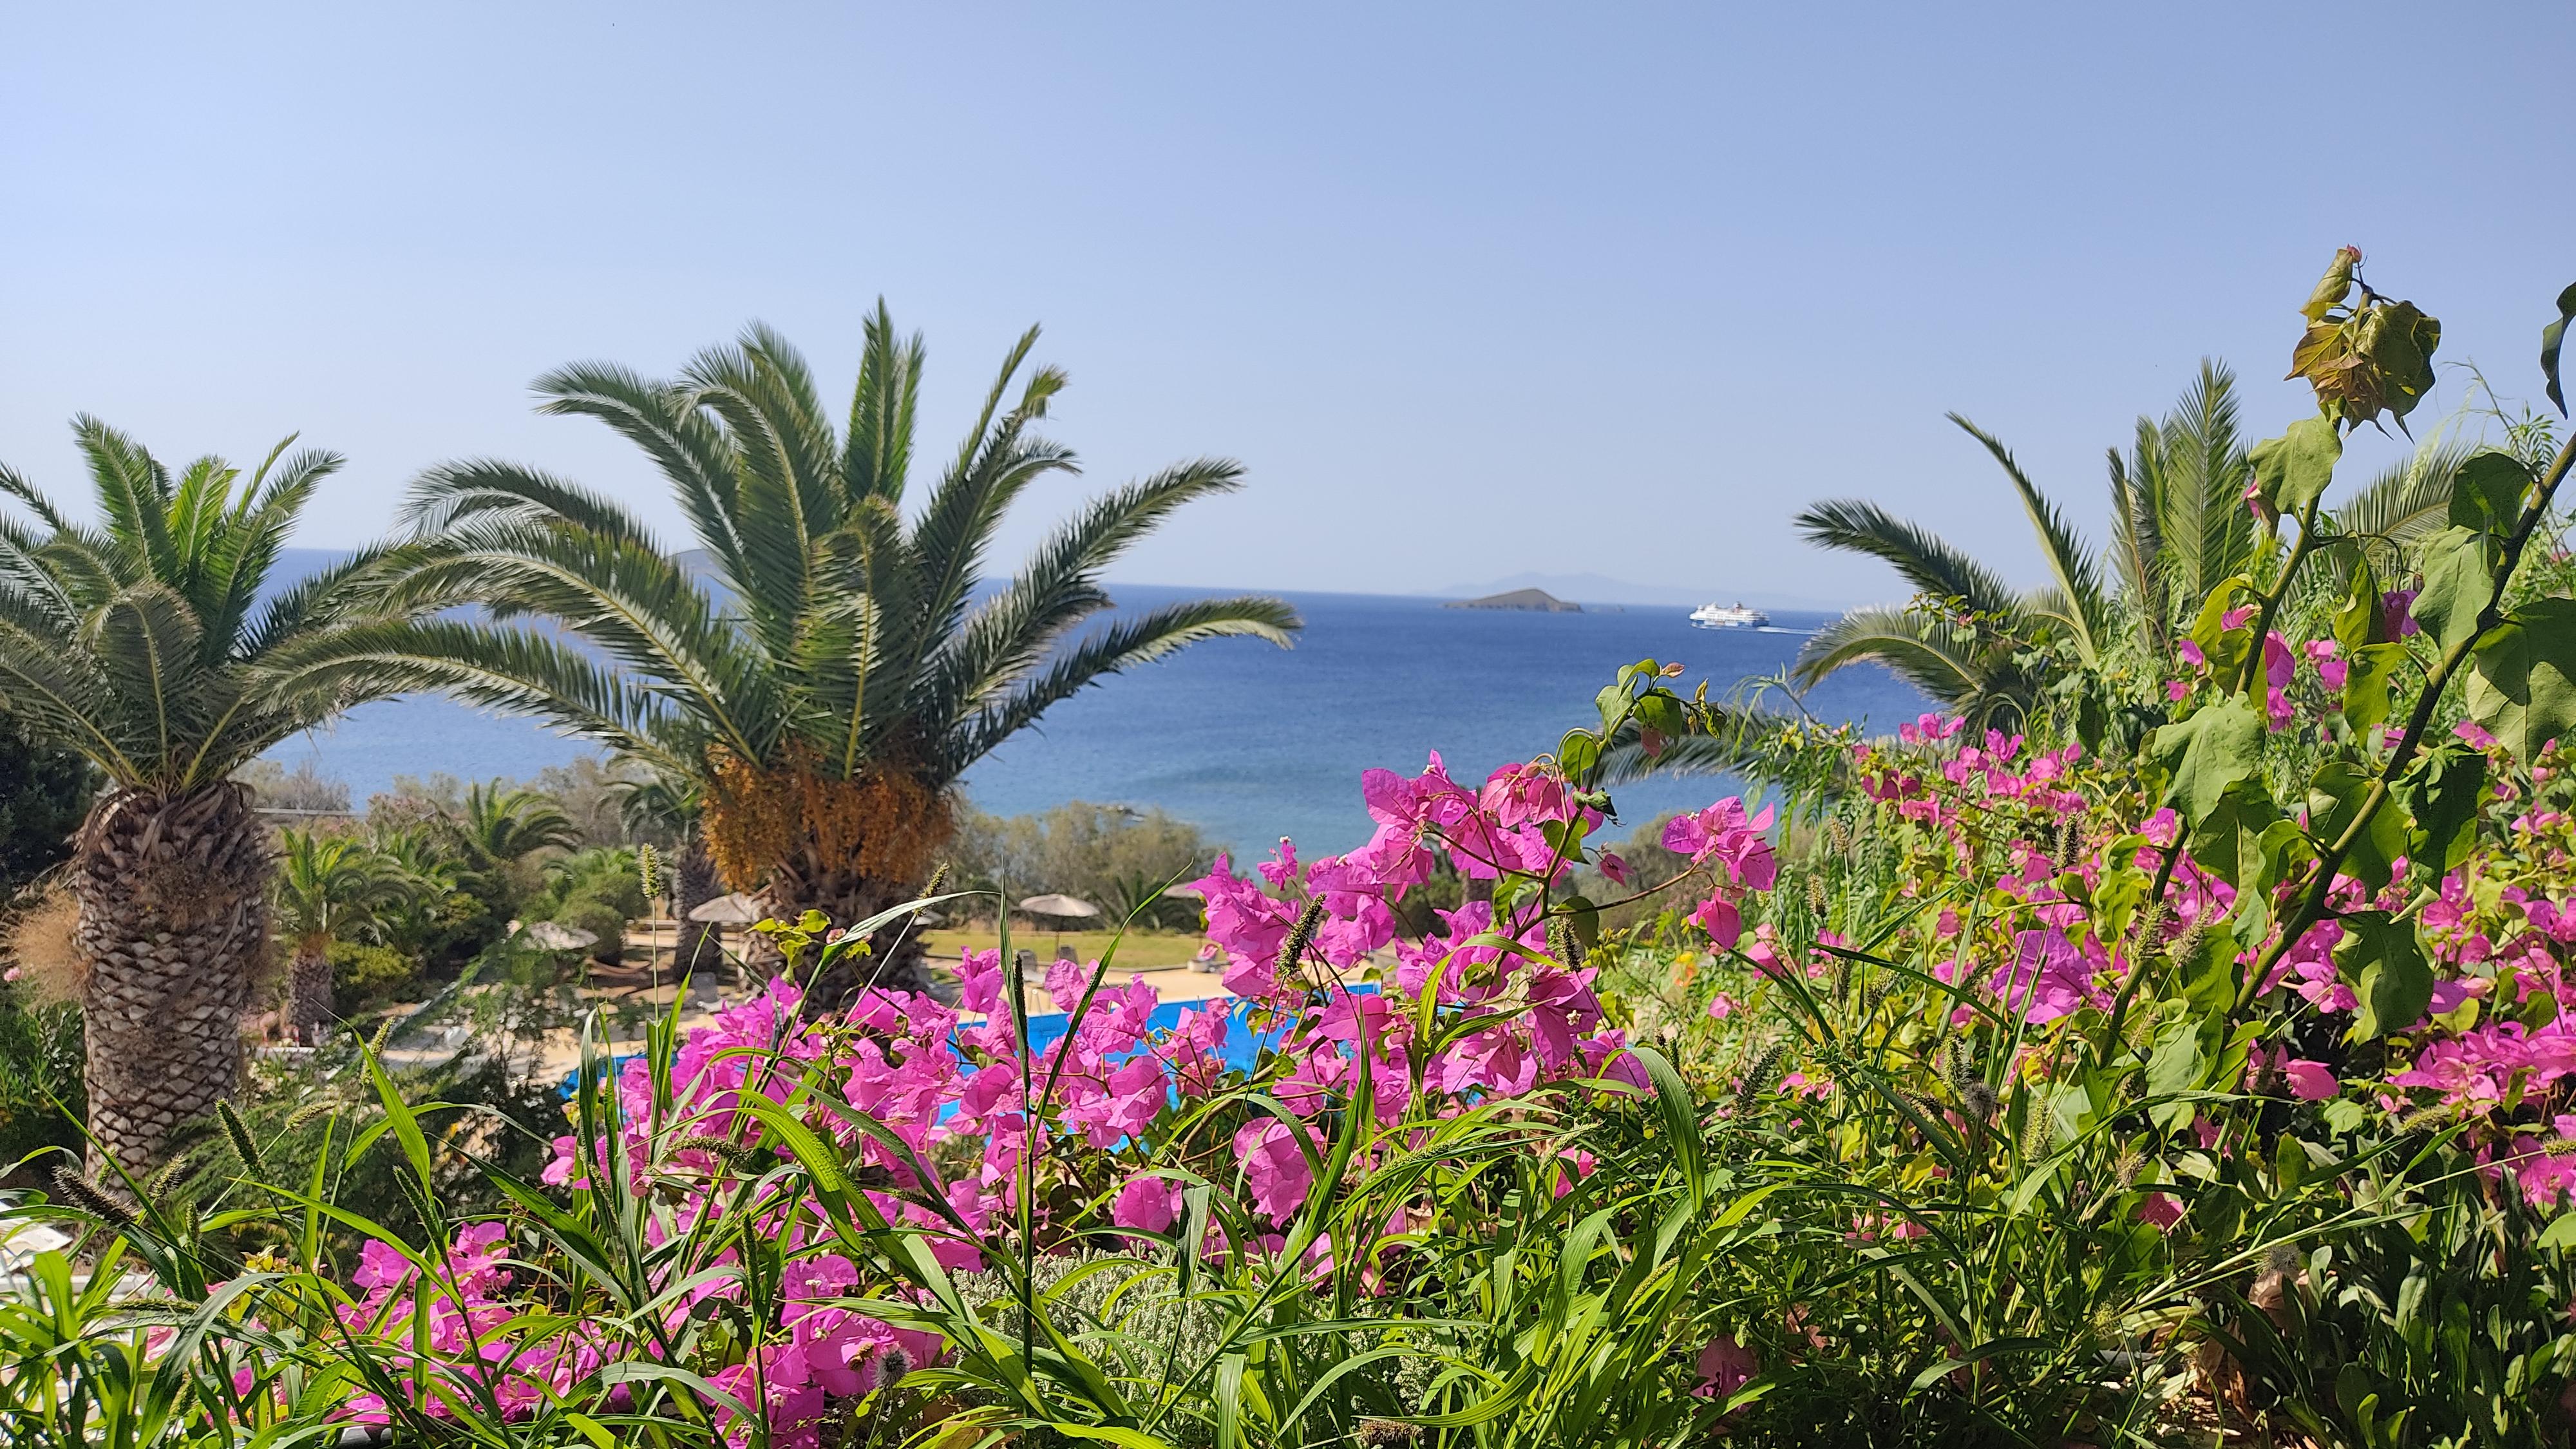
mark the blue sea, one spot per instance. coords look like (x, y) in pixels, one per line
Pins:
(1248, 741)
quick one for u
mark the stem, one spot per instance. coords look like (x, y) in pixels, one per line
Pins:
(2436, 684)
(2253, 670)
(2280, 590)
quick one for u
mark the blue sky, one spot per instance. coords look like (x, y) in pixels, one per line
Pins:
(1473, 290)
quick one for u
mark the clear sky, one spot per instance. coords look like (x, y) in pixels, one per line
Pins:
(1472, 289)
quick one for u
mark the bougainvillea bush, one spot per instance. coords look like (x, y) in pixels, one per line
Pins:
(2198, 1080)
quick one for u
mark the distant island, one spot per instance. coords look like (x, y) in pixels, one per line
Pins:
(1536, 601)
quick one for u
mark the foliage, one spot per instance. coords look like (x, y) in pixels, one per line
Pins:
(41, 1094)
(365, 977)
(43, 794)
(142, 643)
(1113, 857)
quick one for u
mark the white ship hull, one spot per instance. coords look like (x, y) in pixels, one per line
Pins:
(1719, 616)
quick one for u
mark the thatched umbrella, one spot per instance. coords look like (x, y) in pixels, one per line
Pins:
(738, 909)
(1059, 909)
(556, 936)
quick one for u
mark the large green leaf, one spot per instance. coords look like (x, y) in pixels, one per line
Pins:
(2335, 797)
(2382, 959)
(2487, 493)
(2202, 756)
(2459, 578)
(2550, 338)
(2519, 684)
(2442, 793)
(2230, 841)
(2292, 470)
(2365, 683)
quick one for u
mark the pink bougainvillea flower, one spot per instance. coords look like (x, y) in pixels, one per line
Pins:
(2310, 1081)
(1147, 1202)
(2162, 1209)
(1614, 867)
(2279, 664)
(2047, 978)
(1521, 795)
(1717, 916)
(1721, 1006)
(1275, 1168)
(1724, 1366)
(2397, 614)
(979, 980)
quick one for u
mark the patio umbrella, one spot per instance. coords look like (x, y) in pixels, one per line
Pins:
(737, 909)
(556, 936)
(1058, 907)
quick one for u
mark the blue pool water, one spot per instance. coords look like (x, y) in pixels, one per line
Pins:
(1243, 1045)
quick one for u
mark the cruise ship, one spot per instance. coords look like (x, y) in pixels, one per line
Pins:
(1721, 616)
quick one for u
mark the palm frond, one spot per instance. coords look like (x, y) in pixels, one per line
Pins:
(1729, 748)
(1925, 652)
(128, 485)
(2070, 562)
(1921, 557)
(1123, 645)
(876, 448)
(518, 670)
(2137, 535)
(2405, 501)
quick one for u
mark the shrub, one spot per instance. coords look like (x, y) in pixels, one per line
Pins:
(42, 1096)
(603, 918)
(364, 977)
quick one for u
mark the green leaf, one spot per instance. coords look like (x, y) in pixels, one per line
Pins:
(1577, 753)
(2442, 791)
(2224, 648)
(2335, 796)
(2550, 337)
(2561, 1233)
(2201, 757)
(2175, 1067)
(2292, 470)
(1661, 711)
(2210, 973)
(2386, 965)
(2359, 621)
(2459, 577)
(2487, 492)
(2231, 840)
(2520, 685)
(2365, 683)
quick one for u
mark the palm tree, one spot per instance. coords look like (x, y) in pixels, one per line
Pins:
(2180, 525)
(498, 834)
(329, 889)
(835, 672)
(141, 643)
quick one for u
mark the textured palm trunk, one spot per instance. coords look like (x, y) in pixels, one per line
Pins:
(310, 1009)
(173, 921)
(694, 879)
(896, 961)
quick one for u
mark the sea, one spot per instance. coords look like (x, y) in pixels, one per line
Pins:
(1250, 742)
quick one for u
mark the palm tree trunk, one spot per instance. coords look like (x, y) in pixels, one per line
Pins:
(897, 961)
(173, 920)
(694, 882)
(310, 1009)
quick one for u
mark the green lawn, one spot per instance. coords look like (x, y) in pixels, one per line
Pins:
(1140, 951)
